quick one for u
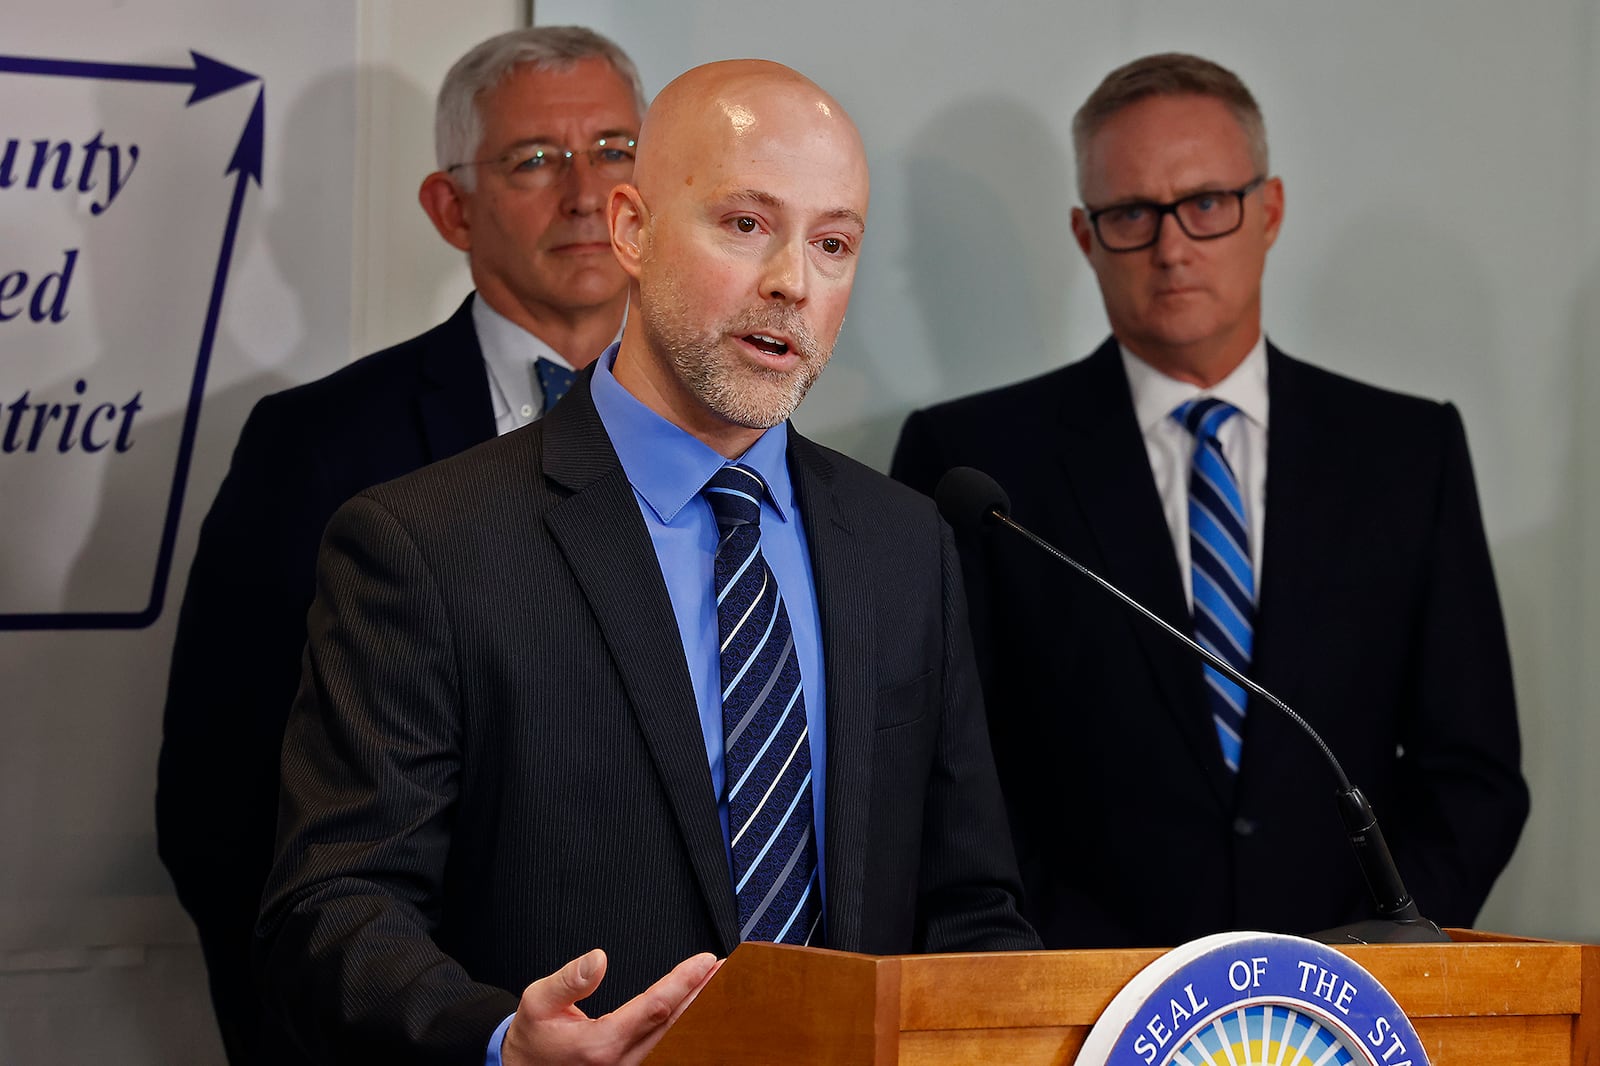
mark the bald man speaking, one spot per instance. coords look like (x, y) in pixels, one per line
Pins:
(588, 705)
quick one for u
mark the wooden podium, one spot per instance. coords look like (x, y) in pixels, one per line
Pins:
(1482, 1000)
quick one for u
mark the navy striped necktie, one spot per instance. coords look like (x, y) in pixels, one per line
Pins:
(766, 745)
(1219, 561)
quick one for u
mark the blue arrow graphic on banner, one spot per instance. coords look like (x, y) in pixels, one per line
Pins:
(209, 78)
(207, 75)
(246, 163)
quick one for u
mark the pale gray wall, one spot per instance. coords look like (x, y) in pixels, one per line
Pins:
(1442, 168)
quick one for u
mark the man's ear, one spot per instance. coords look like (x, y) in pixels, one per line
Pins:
(626, 216)
(442, 200)
(1082, 229)
(1272, 208)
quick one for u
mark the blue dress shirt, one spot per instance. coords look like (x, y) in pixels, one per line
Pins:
(667, 469)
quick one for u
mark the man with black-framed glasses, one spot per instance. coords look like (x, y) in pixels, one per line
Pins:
(1321, 534)
(532, 129)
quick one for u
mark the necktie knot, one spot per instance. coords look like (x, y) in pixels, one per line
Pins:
(554, 380)
(734, 493)
(1204, 415)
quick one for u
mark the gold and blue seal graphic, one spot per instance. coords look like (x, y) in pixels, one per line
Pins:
(1253, 999)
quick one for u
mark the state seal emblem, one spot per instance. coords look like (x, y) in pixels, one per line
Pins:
(1253, 999)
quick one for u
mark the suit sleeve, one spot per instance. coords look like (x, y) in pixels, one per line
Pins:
(1462, 799)
(970, 889)
(371, 767)
(235, 664)
(920, 461)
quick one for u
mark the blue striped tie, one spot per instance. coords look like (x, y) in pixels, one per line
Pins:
(1219, 556)
(766, 746)
(554, 380)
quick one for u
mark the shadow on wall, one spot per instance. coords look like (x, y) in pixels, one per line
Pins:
(991, 249)
(988, 253)
(1546, 891)
(1442, 339)
(431, 273)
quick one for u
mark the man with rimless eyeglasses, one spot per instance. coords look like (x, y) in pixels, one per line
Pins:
(1322, 535)
(533, 129)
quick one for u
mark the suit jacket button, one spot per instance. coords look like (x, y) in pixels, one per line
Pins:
(1243, 826)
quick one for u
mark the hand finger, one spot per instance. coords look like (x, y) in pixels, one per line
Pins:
(693, 992)
(557, 993)
(642, 1042)
(653, 1008)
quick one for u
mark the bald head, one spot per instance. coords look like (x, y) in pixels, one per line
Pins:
(709, 116)
(740, 232)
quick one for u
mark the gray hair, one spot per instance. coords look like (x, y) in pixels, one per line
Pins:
(457, 125)
(1168, 74)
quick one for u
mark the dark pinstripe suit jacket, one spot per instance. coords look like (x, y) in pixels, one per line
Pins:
(495, 763)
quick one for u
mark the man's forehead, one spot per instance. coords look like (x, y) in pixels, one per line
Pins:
(590, 93)
(1167, 145)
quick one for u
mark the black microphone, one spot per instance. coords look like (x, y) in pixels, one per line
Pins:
(972, 500)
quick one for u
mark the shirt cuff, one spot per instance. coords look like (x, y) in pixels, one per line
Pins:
(492, 1056)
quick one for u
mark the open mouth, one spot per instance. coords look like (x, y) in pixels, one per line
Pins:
(764, 343)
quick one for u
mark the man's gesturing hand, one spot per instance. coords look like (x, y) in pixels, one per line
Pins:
(549, 1027)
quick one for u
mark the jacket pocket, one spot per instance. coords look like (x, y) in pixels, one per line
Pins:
(905, 702)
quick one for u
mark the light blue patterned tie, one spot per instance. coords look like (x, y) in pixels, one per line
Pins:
(766, 746)
(1219, 556)
(554, 380)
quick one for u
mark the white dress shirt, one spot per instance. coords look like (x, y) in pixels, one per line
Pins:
(1171, 447)
(509, 352)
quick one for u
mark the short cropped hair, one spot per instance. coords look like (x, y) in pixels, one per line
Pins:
(1168, 74)
(457, 125)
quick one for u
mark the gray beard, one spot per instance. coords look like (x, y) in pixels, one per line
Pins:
(735, 390)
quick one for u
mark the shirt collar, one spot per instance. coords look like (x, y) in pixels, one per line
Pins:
(507, 347)
(1155, 395)
(665, 464)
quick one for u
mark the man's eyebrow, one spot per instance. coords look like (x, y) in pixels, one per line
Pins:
(1196, 190)
(846, 214)
(753, 196)
(766, 199)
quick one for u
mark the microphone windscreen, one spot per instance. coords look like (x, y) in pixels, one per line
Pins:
(966, 497)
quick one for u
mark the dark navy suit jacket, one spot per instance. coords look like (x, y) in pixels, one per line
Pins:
(1377, 619)
(242, 627)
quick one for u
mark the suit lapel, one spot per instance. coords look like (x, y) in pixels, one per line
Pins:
(453, 397)
(1296, 529)
(844, 602)
(1108, 472)
(604, 539)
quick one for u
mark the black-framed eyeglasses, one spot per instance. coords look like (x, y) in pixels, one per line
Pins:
(539, 164)
(1204, 216)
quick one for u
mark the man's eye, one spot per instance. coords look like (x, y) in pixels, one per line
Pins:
(746, 224)
(1131, 213)
(832, 245)
(1204, 203)
(615, 155)
(537, 161)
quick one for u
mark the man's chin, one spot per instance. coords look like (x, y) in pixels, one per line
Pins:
(765, 399)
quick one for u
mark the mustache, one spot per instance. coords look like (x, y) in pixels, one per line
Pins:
(583, 235)
(783, 321)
